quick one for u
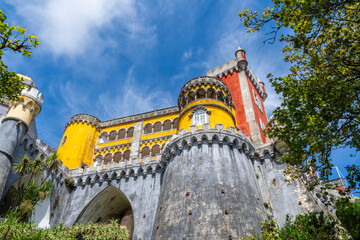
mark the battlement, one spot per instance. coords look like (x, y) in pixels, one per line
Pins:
(84, 118)
(112, 171)
(43, 147)
(227, 68)
(33, 93)
(35, 148)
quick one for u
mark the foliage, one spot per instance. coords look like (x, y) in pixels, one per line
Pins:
(317, 226)
(349, 215)
(320, 107)
(33, 184)
(70, 183)
(28, 230)
(269, 230)
(314, 225)
(13, 38)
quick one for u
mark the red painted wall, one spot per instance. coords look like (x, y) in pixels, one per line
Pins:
(233, 84)
(258, 114)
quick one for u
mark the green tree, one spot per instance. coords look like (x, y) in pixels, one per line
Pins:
(34, 184)
(13, 38)
(348, 213)
(320, 96)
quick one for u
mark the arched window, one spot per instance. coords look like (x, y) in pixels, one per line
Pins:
(155, 150)
(98, 160)
(167, 125)
(112, 135)
(107, 158)
(175, 123)
(130, 132)
(117, 157)
(199, 118)
(157, 127)
(148, 128)
(122, 134)
(126, 155)
(145, 151)
(103, 137)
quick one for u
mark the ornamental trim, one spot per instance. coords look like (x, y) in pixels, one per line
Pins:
(198, 108)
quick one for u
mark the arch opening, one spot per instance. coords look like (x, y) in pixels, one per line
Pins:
(109, 204)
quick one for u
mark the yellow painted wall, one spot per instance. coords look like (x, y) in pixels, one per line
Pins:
(111, 150)
(201, 101)
(111, 143)
(150, 144)
(79, 145)
(217, 115)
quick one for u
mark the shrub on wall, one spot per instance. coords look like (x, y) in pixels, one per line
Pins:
(28, 230)
(314, 225)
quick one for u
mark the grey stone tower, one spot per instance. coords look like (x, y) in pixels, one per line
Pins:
(15, 125)
(209, 188)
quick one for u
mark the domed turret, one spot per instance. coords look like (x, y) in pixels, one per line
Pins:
(205, 100)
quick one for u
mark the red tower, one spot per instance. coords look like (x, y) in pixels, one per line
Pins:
(248, 94)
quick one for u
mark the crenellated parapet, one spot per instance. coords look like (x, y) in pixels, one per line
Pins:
(198, 137)
(225, 69)
(34, 94)
(113, 172)
(43, 147)
(35, 148)
(84, 118)
(232, 66)
(26, 107)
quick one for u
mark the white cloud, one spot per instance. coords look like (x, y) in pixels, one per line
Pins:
(73, 97)
(132, 98)
(72, 27)
(187, 55)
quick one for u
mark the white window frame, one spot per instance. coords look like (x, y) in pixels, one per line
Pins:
(195, 114)
(200, 117)
(263, 127)
(258, 101)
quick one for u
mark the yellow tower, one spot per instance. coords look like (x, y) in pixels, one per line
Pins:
(78, 142)
(205, 102)
(28, 106)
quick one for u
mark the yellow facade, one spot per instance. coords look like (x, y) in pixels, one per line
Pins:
(220, 114)
(78, 144)
(106, 143)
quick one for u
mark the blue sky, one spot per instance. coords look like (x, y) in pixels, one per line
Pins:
(113, 58)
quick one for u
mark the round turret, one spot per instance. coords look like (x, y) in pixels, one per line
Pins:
(27, 107)
(205, 101)
(79, 140)
(240, 55)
